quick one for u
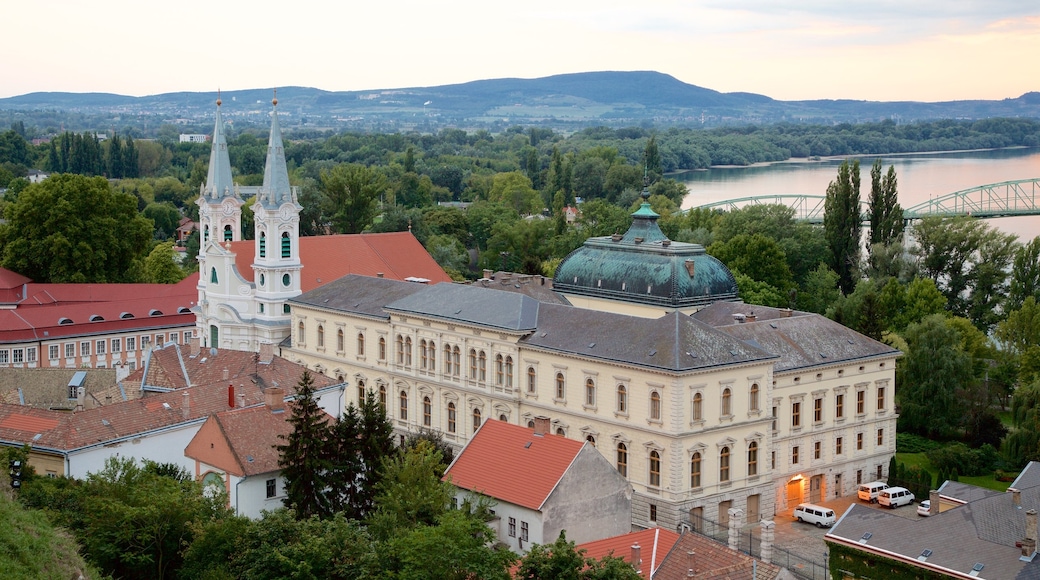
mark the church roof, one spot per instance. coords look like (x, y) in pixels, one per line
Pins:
(219, 182)
(275, 190)
(643, 266)
(396, 255)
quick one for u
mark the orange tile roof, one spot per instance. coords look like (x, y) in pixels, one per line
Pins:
(711, 561)
(510, 463)
(28, 423)
(396, 255)
(654, 545)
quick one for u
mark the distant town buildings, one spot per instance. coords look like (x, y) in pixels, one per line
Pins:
(193, 138)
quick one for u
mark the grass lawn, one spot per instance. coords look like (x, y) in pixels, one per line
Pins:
(920, 460)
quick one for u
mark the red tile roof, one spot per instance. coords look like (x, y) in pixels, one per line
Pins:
(654, 545)
(711, 561)
(510, 463)
(23, 422)
(396, 255)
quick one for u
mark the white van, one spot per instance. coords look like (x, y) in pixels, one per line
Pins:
(814, 514)
(869, 491)
(894, 497)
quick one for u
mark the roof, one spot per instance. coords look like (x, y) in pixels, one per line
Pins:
(538, 287)
(275, 190)
(396, 255)
(654, 544)
(713, 561)
(48, 388)
(219, 182)
(800, 339)
(471, 305)
(509, 463)
(359, 295)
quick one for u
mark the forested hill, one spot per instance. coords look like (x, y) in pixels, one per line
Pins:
(561, 101)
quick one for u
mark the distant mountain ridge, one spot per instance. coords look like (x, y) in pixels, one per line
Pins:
(575, 99)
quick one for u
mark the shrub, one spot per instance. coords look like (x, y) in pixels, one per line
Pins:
(961, 459)
(910, 443)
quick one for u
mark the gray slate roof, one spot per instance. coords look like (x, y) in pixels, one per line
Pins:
(801, 340)
(471, 305)
(275, 190)
(219, 183)
(357, 294)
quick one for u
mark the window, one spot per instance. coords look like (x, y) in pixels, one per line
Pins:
(695, 470)
(403, 408)
(653, 512)
(160, 339)
(407, 351)
(837, 446)
(861, 397)
(774, 420)
(187, 336)
(70, 349)
(451, 417)
(523, 531)
(590, 393)
(727, 397)
(147, 340)
(655, 468)
(117, 344)
(796, 414)
(213, 276)
(880, 435)
(859, 442)
(5, 356)
(473, 364)
(99, 346)
(512, 527)
(561, 432)
(382, 397)
(456, 359)
(839, 406)
(73, 392)
(753, 404)
(263, 244)
(52, 351)
(588, 438)
(752, 459)
(881, 398)
(476, 420)
(286, 245)
(341, 341)
(698, 407)
(272, 488)
(382, 348)
(561, 389)
(17, 356)
(724, 464)
(622, 459)
(400, 349)
(794, 455)
(84, 348)
(500, 370)
(655, 406)
(301, 333)
(360, 391)
(424, 359)
(482, 366)
(509, 372)
(447, 360)
(432, 352)
(286, 309)
(817, 410)
(227, 234)
(321, 336)
(131, 344)
(817, 449)
(622, 399)
(427, 412)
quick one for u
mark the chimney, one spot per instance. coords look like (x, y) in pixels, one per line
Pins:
(488, 273)
(81, 396)
(785, 313)
(1031, 534)
(186, 404)
(751, 316)
(108, 399)
(736, 515)
(241, 400)
(766, 542)
(690, 556)
(541, 425)
(379, 274)
(933, 502)
(225, 374)
(196, 345)
(274, 398)
(1016, 497)
(231, 396)
(266, 353)
(637, 560)
(739, 317)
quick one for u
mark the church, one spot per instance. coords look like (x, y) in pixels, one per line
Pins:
(245, 286)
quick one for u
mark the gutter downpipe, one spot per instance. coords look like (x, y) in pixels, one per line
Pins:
(237, 513)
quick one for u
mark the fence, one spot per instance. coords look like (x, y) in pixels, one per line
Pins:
(750, 543)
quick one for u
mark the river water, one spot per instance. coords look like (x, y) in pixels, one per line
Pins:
(920, 177)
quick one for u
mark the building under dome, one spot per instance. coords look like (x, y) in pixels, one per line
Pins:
(643, 273)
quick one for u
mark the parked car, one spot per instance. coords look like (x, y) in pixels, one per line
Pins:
(814, 514)
(925, 508)
(869, 491)
(894, 497)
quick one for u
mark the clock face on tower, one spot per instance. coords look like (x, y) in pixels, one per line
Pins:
(286, 213)
(228, 208)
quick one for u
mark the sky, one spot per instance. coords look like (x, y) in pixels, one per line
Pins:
(879, 50)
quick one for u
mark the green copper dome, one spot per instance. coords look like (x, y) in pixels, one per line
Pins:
(644, 266)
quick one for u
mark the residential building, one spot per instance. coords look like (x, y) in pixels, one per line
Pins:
(59, 389)
(541, 484)
(697, 557)
(645, 550)
(972, 533)
(193, 138)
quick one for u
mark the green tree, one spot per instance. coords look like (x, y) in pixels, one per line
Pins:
(1025, 275)
(410, 493)
(652, 160)
(458, 547)
(160, 267)
(933, 371)
(886, 215)
(303, 458)
(165, 217)
(601, 218)
(514, 189)
(71, 228)
(562, 560)
(841, 224)
(351, 193)
(757, 256)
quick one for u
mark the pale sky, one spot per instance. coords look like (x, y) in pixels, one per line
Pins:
(883, 50)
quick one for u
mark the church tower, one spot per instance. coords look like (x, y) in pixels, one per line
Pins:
(220, 205)
(276, 256)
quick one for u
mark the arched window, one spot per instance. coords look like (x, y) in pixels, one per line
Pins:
(361, 392)
(698, 407)
(509, 372)
(321, 336)
(753, 403)
(263, 244)
(400, 349)
(591, 440)
(424, 360)
(724, 464)
(286, 245)
(403, 410)
(622, 459)
(727, 409)
(752, 459)
(482, 366)
(301, 335)
(622, 399)
(695, 470)
(213, 276)
(655, 468)
(447, 360)
(590, 393)
(205, 234)
(561, 432)
(407, 351)
(655, 406)
(382, 397)
(456, 359)
(500, 370)
(473, 364)
(476, 419)
(340, 340)
(532, 382)
(451, 417)
(432, 365)
(427, 412)
(227, 234)
(561, 387)
(503, 417)
(382, 347)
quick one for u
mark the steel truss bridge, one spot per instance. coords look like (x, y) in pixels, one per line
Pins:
(1005, 199)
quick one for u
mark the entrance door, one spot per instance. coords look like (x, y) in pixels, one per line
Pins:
(816, 489)
(752, 509)
(794, 493)
(697, 519)
(724, 512)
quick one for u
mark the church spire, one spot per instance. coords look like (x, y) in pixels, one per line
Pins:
(275, 190)
(219, 183)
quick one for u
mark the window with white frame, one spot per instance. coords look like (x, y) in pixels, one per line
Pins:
(5, 357)
(17, 357)
(70, 349)
(30, 354)
(52, 351)
(131, 343)
(99, 347)
(117, 345)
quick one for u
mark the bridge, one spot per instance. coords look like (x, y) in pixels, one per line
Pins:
(1004, 199)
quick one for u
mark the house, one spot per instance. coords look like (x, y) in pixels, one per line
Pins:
(972, 532)
(185, 227)
(245, 286)
(541, 484)
(697, 557)
(645, 549)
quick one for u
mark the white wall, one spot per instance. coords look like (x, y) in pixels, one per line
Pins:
(162, 447)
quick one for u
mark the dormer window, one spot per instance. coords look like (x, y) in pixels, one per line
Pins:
(155, 312)
(96, 318)
(63, 321)
(126, 315)
(183, 310)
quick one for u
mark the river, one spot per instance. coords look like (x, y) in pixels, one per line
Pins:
(921, 176)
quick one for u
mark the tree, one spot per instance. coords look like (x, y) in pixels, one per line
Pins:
(71, 228)
(165, 217)
(757, 256)
(160, 267)
(514, 190)
(410, 493)
(1025, 275)
(933, 371)
(561, 560)
(351, 193)
(886, 216)
(1021, 329)
(303, 458)
(652, 160)
(841, 224)
(458, 547)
